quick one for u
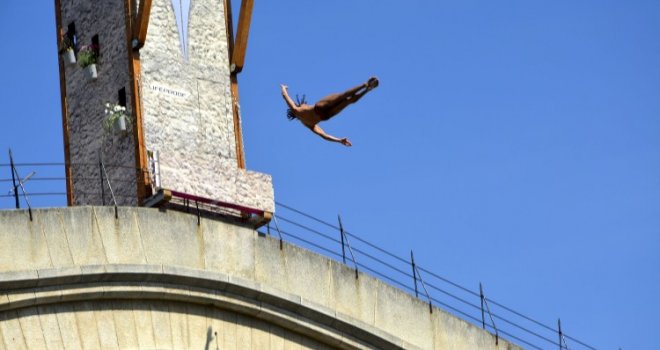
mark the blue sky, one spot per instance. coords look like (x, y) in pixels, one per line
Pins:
(514, 143)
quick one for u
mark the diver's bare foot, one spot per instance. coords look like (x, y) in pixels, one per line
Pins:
(372, 83)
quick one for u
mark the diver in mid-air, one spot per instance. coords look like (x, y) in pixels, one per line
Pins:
(326, 108)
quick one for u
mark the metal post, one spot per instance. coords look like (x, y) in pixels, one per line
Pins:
(341, 232)
(199, 221)
(13, 180)
(481, 293)
(412, 261)
(157, 169)
(15, 176)
(279, 233)
(102, 184)
(561, 347)
(112, 193)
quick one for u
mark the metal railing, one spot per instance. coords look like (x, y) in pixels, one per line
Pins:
(48, 183)
(334, 241)
(472, 305)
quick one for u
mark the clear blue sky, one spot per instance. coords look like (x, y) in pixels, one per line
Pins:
(515, 143)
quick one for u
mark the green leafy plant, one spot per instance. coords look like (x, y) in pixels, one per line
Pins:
(88, 55)
(112, 113)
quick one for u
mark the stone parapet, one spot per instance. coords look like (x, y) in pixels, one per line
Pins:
(81, 266)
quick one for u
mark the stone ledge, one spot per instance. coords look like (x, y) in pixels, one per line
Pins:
(109, 282)
(18, 279)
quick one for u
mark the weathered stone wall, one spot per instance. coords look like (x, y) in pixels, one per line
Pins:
(86, 101)
(187, 107)
(69, 256)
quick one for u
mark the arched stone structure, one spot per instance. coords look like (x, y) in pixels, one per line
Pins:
(79, 278)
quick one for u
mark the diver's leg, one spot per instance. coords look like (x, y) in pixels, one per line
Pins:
(335, 103)
(335, 99)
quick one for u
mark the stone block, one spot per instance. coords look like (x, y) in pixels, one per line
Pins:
(48, 295)
(2, 340)
(244, 287)
(31, 328)
(21, 298)
(54, 231)
(12, 279)
(68, 325)
(124, 321)
(317, 312)
(133, 272)
(278, 298)
(309, 276)
(199, 332)
(395, 308)
(86, 324)
(229, 249)
(4, 302)
(270, 263)
(28, 247)
(59, 276)
(12, 333)
(179, 326)
(354, 297)
(105, 324)
(144, 324)
(121, 237)
(171, 239)
(160, 315)
(93, 273)
(83, 236)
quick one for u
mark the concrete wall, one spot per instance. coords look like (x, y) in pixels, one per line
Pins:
(187, 106)
(86, 103)
(82, 270)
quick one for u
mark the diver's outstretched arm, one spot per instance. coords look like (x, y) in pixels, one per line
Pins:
(317, 130)
(285, 95)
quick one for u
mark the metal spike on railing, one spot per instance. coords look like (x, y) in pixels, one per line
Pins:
(13, 180)
(428, 296)
(112, 193)
(484, 301)
(341, 234)
(277, 227)
(102, 183)
(14, 176)
(481, 297)
(350, 250)
(562, 339)
(414, 270)
(561, 346)
(199, 217)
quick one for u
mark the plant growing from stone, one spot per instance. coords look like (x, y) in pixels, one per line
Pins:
(88, 55)
(113, 112)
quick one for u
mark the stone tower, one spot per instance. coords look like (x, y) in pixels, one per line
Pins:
(172, 64)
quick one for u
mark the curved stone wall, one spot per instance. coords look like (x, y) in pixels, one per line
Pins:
(79, 278)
